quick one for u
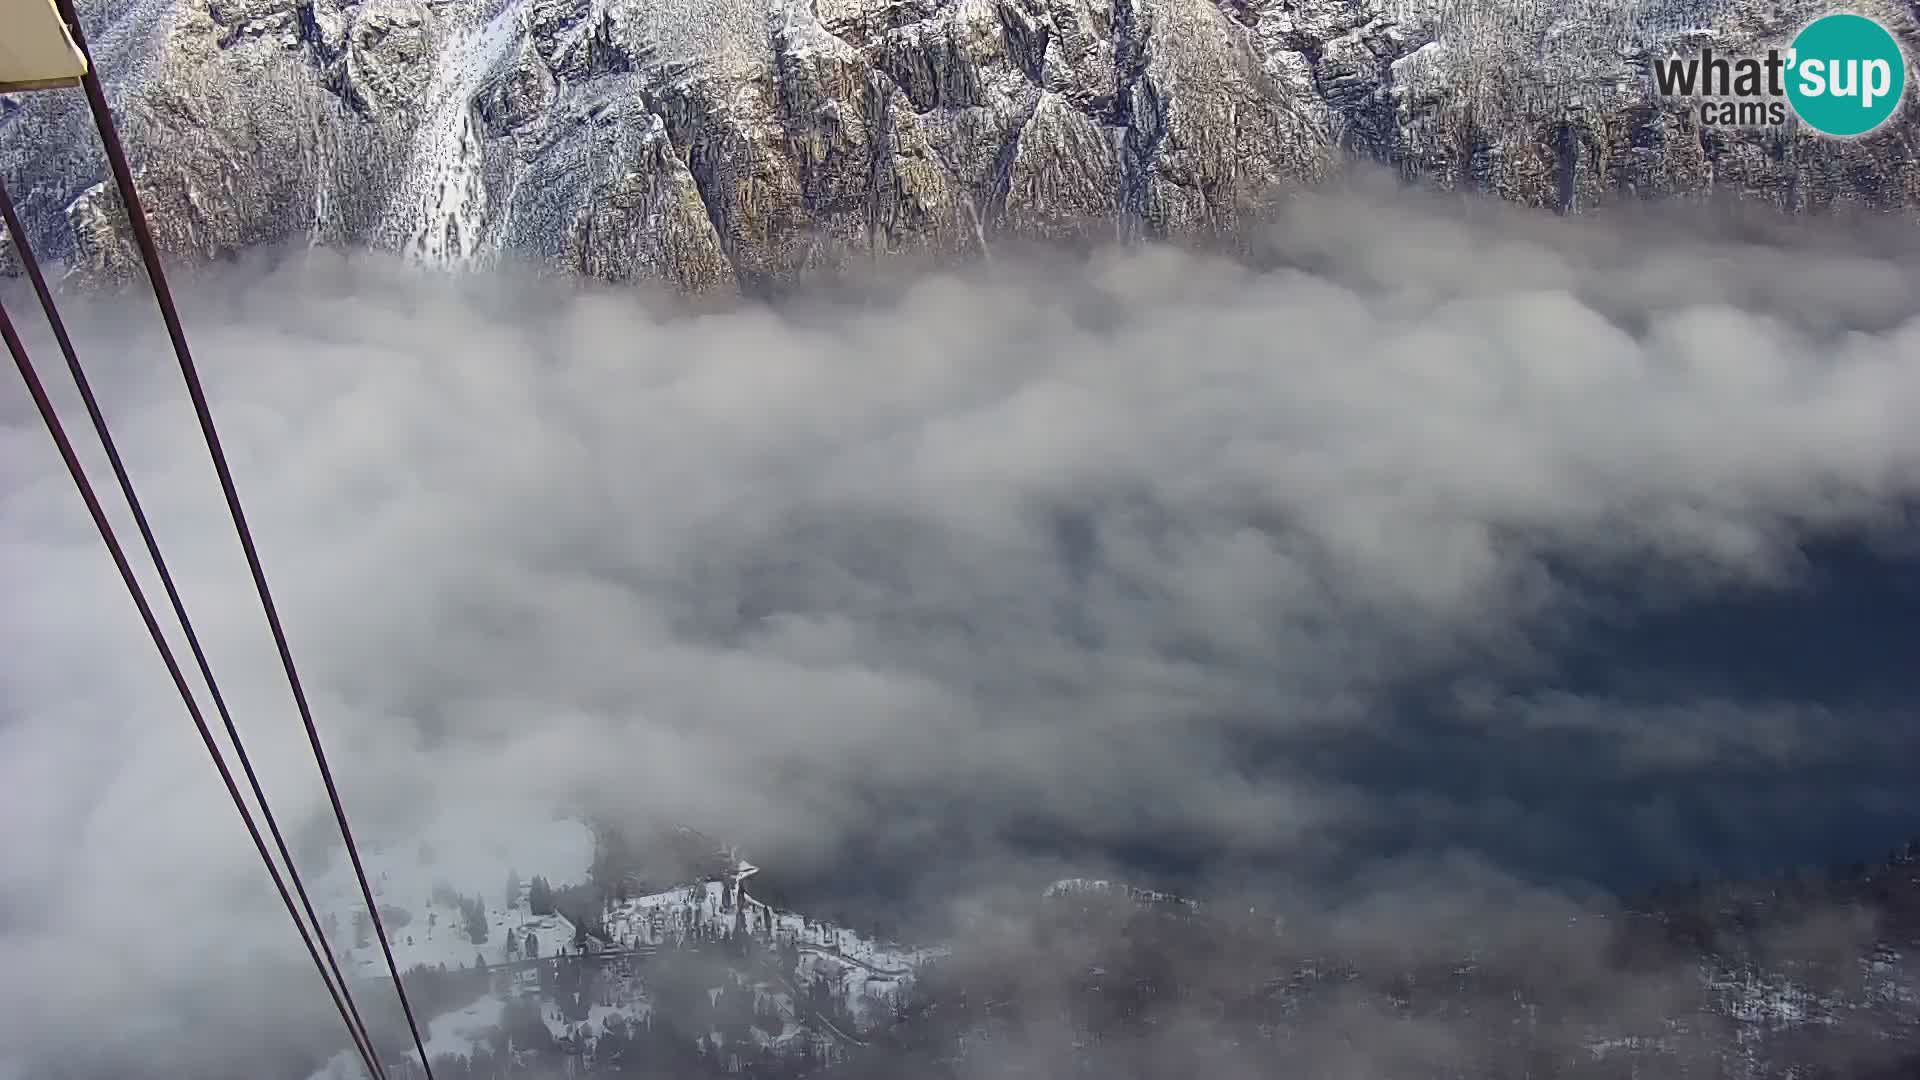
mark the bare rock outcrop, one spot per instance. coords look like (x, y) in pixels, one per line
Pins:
(722, 144)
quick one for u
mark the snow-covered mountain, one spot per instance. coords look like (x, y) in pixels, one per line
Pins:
(1069, 888)
(715, 144)
(497, 923)
(1798, 976)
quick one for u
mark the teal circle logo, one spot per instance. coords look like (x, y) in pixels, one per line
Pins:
(1846, 75)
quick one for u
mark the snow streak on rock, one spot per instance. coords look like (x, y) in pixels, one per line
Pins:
(441, 208)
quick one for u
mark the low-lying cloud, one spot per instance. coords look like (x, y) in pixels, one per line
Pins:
(1150, 560)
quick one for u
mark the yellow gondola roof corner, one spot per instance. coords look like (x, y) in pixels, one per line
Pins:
(36, 51)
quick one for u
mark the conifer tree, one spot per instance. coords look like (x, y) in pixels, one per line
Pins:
(476, 920)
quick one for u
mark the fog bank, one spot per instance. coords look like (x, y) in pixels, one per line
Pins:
(1276, 566)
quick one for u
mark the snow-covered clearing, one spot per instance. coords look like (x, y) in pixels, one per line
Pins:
(471, 858)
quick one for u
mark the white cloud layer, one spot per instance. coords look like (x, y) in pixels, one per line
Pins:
(1039, 547)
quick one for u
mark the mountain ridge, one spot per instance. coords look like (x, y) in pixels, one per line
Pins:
(1806, 974)
(741, 144)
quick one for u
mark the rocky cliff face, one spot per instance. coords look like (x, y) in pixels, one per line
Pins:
(723, 144)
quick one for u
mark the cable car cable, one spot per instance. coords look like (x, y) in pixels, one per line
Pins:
(24, 249)
(156, 277)
(74, 469)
